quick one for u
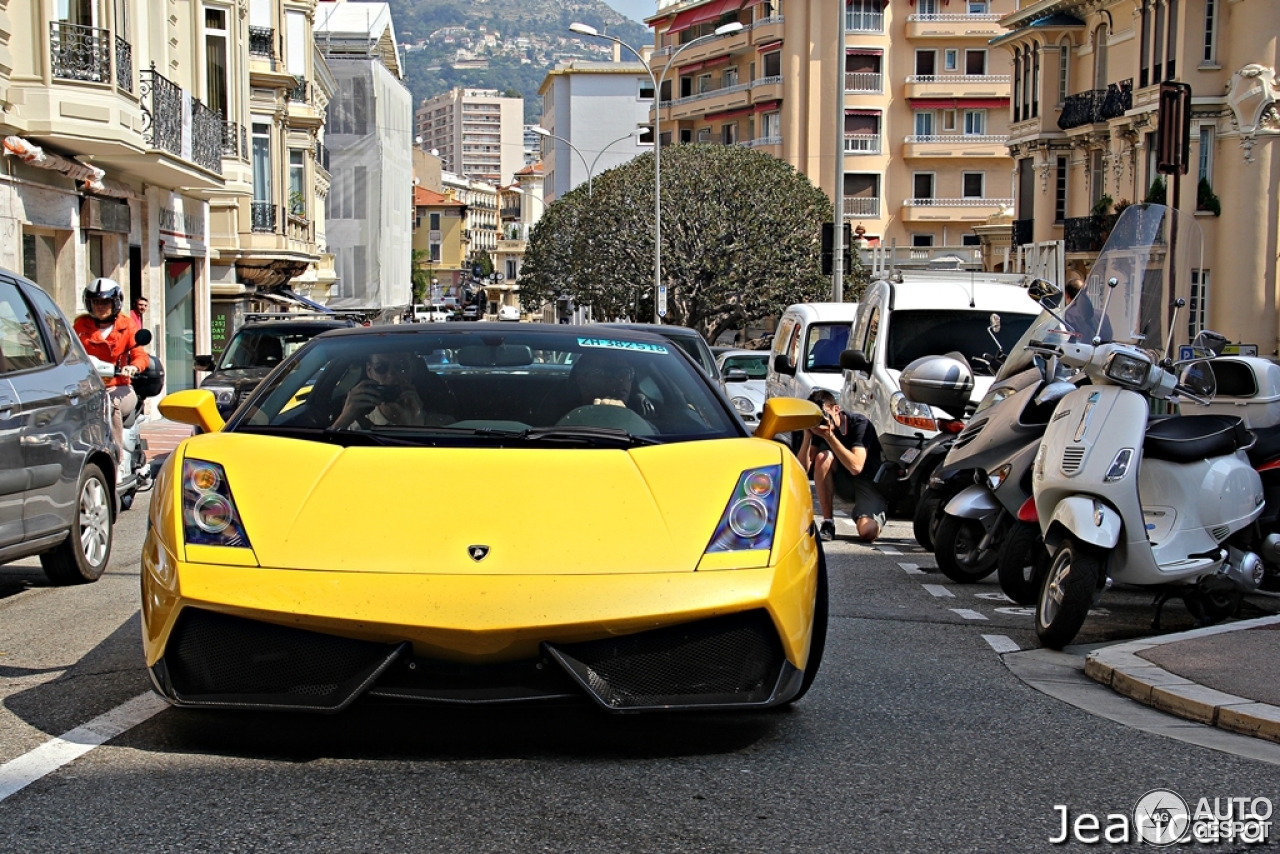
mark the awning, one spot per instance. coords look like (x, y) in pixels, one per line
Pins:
(864, 51)
(731, 114)
(703, 14)
(770, 46)
(765, 106)
(958, 103)
(855, 112)
(34, 155)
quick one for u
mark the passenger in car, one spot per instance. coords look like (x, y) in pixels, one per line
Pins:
(388, 395)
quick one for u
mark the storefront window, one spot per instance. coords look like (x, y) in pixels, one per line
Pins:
(179, 324)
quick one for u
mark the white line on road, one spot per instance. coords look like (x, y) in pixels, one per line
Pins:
(888, 550)
(939, 591)
(17, 774)
(911, 568)
(968, 614)
(1001, 643)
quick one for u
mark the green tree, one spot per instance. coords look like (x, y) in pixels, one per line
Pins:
(484, 261)
(421, 276)
(741, 240)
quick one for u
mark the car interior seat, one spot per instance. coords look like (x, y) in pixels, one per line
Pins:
(270, 351)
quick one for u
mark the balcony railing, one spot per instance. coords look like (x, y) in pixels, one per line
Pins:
(180, 125)
(950, 79)
(862, 206)
(1119, 99)
(78, 52)
(954, 18)
(1023, 231)
(231, 139)
(1087, 233)
(863, 81)
(864, 20)
(763, 140)
(766, 81)
(124, 65)
(967, 202)
(958, 139)
(263, 216)
(862, 143)
(299, 93)
(711, 93)
(262, 41)
(1096, 105)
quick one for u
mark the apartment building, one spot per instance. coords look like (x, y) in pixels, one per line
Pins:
(1085, 124)
(437, 232)
(477, 133)
(521, 205)
(907, 114)
(369, 138)
(594, 116)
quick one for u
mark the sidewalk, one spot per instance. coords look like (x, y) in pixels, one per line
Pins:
(1226, 676)
(163, 436)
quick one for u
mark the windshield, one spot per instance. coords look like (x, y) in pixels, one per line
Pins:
(824, 345)
(433, 388)
(1047, 329)
(1148, 277)
(928, 332)
(756, 367)
(263, 348)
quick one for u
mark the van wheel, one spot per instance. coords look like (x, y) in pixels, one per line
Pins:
(83, 555)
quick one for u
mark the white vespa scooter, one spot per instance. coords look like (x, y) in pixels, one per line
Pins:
(1146, 502)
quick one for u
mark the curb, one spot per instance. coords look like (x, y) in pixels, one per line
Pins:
(1120, 668)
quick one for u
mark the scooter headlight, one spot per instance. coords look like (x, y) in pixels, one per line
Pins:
(910, 413)
(1119, 466)
(1128, 369)
(748, 521)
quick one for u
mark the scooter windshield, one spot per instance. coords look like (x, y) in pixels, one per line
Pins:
(1150, 254)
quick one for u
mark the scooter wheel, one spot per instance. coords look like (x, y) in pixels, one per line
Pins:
(1066, 592)
(1022, 562)
(925, 522)
(956, 547)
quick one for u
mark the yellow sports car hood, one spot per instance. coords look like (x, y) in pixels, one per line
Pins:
(314, 506)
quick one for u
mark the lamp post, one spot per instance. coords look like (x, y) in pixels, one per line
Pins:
(659, 308)
(541, 131)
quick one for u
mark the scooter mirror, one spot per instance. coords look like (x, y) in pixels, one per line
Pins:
(1199, 379)
(995, 322)
(1211, 342)
(1041, 290)
(142, 337)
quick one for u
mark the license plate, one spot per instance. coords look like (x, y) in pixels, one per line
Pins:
(909, 456)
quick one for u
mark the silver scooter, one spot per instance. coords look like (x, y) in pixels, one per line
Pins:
(1120, 495)
(135, 472)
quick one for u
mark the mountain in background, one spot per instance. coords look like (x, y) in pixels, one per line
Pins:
(508, 45)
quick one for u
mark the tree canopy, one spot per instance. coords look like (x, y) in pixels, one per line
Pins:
(741, 240)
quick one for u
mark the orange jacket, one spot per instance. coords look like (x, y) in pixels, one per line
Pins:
(118, 348)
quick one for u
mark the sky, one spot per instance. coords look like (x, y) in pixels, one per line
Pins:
(636, 10)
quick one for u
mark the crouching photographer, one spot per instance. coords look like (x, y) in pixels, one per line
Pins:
(842, 455)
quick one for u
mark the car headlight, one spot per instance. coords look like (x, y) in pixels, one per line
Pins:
(223, 395)
(912, 414)
(749, 520)
(209, 515)
(1127, 369)
(743, 404)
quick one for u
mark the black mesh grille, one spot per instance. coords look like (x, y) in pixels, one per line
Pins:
(216, 659)
(730, 660)
(969, 433)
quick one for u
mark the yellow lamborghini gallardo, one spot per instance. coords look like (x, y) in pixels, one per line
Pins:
(483, 513)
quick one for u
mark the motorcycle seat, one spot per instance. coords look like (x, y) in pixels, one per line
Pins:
(1189, 438)
(1267, 447)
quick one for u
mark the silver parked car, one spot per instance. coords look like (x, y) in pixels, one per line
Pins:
(744, 373)
(57, 460)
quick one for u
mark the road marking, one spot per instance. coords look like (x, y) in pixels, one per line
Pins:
(968, 614)
(939, 591)
(994, 597)
(17, 774)
(888, 550)
(1001, 643)
(911, 568)
(1017, 612)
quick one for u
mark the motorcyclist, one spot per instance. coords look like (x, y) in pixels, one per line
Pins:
(108, 335)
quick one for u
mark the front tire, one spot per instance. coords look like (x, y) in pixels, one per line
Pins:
(924, 525)
(1021, 563)
(1066, 592)
(955, 545)
(83, 555)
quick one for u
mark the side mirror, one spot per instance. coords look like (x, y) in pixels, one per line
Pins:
(737, 375)
(142, 337)
(196, 407)
(785, 415)
(1041, 290)
(1212, 342)
(995, 322)
(782, 365)
(1199, 379)
(855, 360)
(204, 363)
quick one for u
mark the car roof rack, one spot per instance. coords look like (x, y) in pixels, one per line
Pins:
(304, 315)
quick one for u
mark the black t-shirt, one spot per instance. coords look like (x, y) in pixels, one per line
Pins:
(858, 432)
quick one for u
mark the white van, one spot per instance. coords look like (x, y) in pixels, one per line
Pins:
(807, 347)
(919, 314)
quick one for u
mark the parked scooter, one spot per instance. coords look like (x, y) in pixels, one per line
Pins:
(136, 473)
(1157, 503)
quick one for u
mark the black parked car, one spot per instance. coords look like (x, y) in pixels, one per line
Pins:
(254, 351)
(57, 457)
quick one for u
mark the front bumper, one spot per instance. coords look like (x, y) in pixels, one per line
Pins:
(247, 637)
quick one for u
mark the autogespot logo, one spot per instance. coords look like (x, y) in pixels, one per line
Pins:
(1162, 817)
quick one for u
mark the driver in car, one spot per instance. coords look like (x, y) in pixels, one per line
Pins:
(385, 396)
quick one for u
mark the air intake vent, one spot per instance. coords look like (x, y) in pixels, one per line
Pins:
(1072, 457)
(1220, 533)
(968, 434)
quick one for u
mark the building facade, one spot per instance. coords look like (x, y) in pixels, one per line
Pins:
(521, 206)
(595, 115)
(1085, 123)
(477, 133)
(438, 245)
(905, 116)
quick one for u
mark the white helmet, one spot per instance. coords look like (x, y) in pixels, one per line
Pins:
(103, 288)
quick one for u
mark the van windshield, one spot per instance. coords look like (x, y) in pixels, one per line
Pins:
(824, 345)
(931, 332)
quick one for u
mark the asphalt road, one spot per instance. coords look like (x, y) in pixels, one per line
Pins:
(915, 737)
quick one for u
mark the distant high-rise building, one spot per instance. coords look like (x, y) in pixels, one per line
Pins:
(478, 133)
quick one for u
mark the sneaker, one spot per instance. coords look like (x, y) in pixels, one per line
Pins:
(827, 531)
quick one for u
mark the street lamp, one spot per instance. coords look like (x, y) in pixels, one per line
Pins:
(726, 29)
(541, 131)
